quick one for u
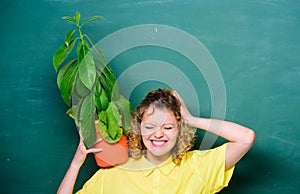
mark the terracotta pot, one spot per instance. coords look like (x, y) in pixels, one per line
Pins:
(113, 153)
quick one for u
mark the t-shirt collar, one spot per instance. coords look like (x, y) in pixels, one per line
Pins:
(166, 167)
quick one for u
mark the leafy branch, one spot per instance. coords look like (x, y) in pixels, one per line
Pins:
(90, 84)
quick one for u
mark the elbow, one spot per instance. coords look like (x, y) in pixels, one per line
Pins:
(250, 137)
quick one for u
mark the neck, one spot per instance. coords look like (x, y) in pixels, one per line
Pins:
(156, 160)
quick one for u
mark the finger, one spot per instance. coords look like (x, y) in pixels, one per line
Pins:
(98, 140)
(94, 150)
(80, 134)
(177, 95)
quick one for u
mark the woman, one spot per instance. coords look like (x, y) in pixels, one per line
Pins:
(160, 162)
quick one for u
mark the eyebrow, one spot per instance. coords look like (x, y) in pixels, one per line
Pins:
(174, 124)
(149, 123)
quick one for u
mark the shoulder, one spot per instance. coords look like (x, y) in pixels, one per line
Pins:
(208, 158)
(210, 153)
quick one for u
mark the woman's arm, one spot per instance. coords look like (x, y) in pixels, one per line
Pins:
(68, 182)
(240, 138)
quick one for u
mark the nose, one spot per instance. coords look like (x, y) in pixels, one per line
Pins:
(158, 133)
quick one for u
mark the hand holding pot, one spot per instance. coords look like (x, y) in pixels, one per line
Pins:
(82, 152)
(67, 184)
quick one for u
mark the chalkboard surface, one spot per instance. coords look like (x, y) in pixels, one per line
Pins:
(255, 46)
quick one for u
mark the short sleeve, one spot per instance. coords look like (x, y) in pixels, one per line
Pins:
(211, 168)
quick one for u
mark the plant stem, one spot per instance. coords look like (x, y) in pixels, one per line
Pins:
(80, 33)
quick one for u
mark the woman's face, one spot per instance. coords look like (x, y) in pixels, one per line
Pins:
(159, 133)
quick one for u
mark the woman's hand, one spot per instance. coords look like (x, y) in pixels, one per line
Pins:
(82, 152)
(240, 138)
(68, 182)
(188, 118)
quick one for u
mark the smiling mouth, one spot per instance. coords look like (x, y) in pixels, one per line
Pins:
(158, 143)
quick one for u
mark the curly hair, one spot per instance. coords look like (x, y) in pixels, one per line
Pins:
(162, 99)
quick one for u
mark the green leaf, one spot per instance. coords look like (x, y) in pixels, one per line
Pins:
(70, 19)
(109, 82)
(76, 111)
(104, 100)
(81, 90)
(78, 49)
(70, 113)
(106, 86)
(115, 91)
(102, 117)
(82, 49)
(67, 84)
(98, 89)
(73, 112)
(61, 54)
(103, 129)
(87, 121)
(97, 50)
(63, 71)
(97, 103)
(97, 95)
(77, 17)
(99, 66)
(113, 120)
(92, 19)
(125, 110)
(101, 99)
(69, 37)
(87, 108)
(87, 69)
(113, 82)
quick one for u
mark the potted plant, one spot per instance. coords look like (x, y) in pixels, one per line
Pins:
(89, 87)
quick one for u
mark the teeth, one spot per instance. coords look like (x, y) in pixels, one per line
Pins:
(158, 142)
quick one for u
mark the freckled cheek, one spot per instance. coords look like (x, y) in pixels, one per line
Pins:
(171, 134)
(145, 132)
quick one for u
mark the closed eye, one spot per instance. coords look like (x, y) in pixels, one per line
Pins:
(148, 126)
(168, 128)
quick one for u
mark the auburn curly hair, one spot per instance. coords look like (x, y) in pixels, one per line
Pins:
(162, 99)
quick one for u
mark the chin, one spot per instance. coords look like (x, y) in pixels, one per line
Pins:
(158, 152)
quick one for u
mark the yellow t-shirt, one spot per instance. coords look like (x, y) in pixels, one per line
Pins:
(199, 172)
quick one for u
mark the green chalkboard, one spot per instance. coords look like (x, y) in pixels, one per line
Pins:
(255, 46)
